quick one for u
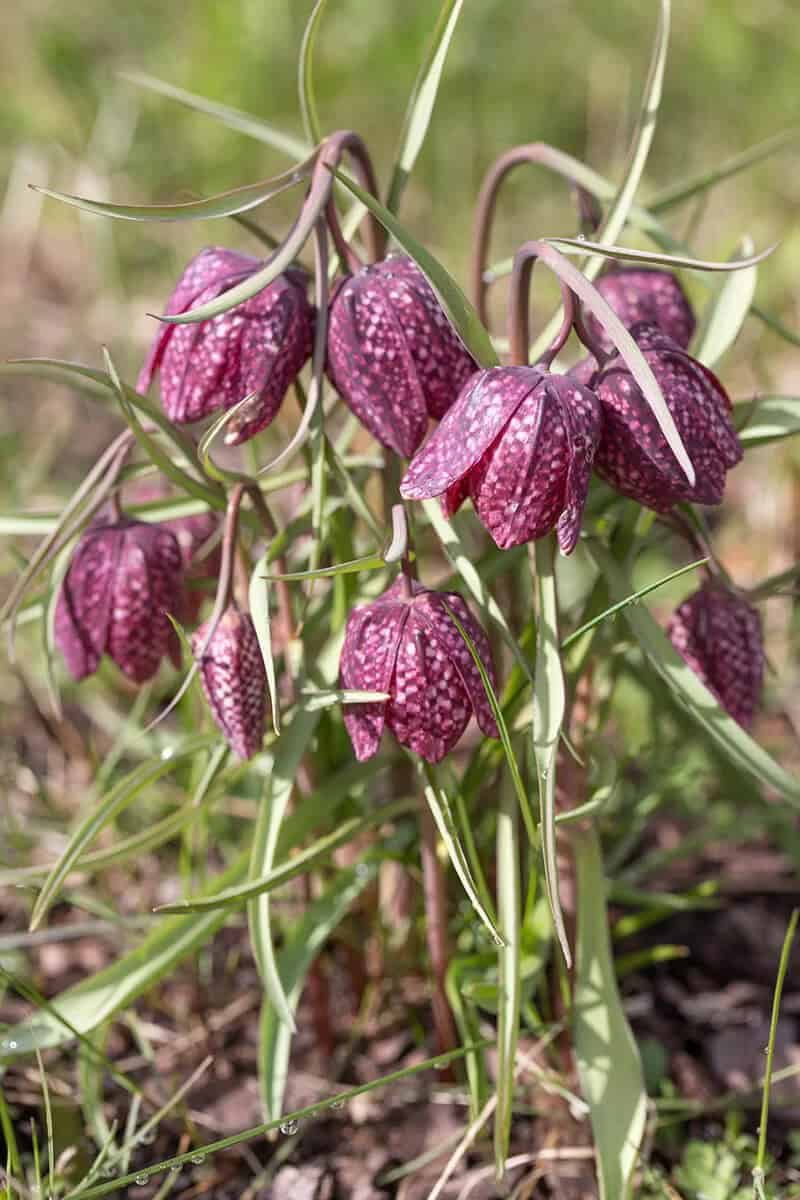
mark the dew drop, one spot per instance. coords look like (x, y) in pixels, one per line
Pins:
(362, 870)
(175, 1169)
(148, 1138)
(167, 753)
(11, 1044)
(441, 1064)
(498, 941)
(545, 773)
(141, 1180)
(289, 1127)
(198, 1159)
(337, 1104)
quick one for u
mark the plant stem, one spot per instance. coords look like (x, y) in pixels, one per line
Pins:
(436, 930)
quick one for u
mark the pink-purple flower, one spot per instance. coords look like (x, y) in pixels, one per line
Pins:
(259, 347)
(644, 294)
(234, 680)
(393, 356)
(720, 636)
(124, 578)
(633, 455)
(406, 644)
(520, 442)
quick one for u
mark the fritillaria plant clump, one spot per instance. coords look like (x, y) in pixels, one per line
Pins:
(351, 582)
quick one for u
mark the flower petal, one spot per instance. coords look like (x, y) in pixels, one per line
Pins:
(83, 608)
(147, 585)
(486, 403)
(582, 415)
(431, 608)
(367, 664)
(234, 680)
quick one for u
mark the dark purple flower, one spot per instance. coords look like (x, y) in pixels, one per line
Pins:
(234, 680)
(634, 456)
(638, 294)
(408, 646)
(520, 442)
(260, 346)
(124, 577)
(719, 635)
(393, 356)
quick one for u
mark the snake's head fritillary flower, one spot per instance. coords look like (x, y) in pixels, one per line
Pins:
(406, 644)
(521, 443)
(258, 347)
(234, 680)
(200, 563)
(633, 455)
(719, 635)
(637, 294)
(124, 578)
(393, 356)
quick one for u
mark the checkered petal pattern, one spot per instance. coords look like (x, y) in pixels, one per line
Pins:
(393, 356)
(521, 444)
(633, 455)
(637, 294)
(720, 636)
(259, 346)
(234, 680)
(123, 579)
(409, 647)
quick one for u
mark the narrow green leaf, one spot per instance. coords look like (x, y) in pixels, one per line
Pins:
(684, 190)
(225, 204)
(259, 611)
(608, 1059)
(696, 700)
(772, 322)
(726, 312)
(767, 419)
(460, 312)
(423, 97)
(80, 1009)
(442, 814)
(289, 752)
(298, 864)
(301, 947)
(242, 122)
(313, 700)
(783, 966)
(508, 911)
(109, 807)
(651, 258)
(549, 703)
(305, 76)
(369, 562)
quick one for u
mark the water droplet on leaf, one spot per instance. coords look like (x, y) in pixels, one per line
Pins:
(289, 1127)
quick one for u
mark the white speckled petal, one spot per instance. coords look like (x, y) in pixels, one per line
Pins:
(367, 664)
(234, 680)
(431, 608)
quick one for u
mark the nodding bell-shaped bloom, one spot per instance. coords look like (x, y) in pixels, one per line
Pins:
(637, 294)
(124, 578)
(634, 456)
(719, 635)
(520, 442)
(407, 645)
(193, 533)
(234, 680)
(258, 347)
(393, 356)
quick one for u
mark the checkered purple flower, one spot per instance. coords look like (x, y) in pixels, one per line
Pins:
(521, 443)
(719, 635)
(234, 680)
(633, 455)
(393, 356)
(409, 647)
(124, 578)
(638, 294)
(258, 347)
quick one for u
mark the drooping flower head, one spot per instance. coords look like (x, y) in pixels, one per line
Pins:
(520, 442)
(234, 680)
(644, 294)
(393, 356)
(258, 347)
(633, 455)
(408, 646)
(124, 578)
(719, 635)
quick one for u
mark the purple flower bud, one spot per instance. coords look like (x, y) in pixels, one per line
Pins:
(259, 346)
(634, 456)
(393, 356)
(234, 680)
(124, 577)
(521, 443)
(637, 294)
(719, 635)
(408, 646)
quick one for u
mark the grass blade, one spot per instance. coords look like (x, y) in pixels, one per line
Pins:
(508, 909)
(460, 312)
(259, 610)
(423, 97)
(549, 702)
(608, 1059)
(305, 76)
(678, 192)
(652, 258)
(726, 312)
(768, 419)
(761, 1154)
